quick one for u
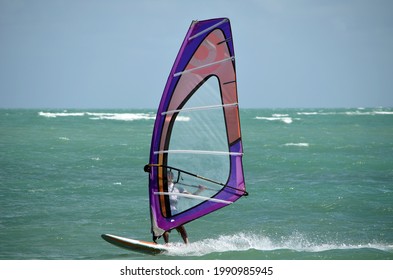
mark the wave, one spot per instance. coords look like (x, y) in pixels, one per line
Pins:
(248, 241)
(383, 113)
(277, 117)
(108, 116)
(370, 113)
(358, 112)
(297, 144)
(308, 113)
(121, 116)
(63, 114)
(128, 116)
(101, 116)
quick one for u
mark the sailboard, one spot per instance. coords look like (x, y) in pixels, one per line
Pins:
(196, 137)
(140, 246)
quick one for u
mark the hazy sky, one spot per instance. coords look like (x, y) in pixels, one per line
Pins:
(118, 53)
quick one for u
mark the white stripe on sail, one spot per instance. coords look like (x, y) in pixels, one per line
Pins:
(199, 108)
(195, 197)
(203, 66)
(219, 153)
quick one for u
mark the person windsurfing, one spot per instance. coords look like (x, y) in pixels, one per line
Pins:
(173, 201)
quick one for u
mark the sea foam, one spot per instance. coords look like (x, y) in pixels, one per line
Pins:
(244, 241)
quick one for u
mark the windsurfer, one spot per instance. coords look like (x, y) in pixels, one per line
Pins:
(173, 200)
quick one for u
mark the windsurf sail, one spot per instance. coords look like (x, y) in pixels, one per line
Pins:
(196, 136)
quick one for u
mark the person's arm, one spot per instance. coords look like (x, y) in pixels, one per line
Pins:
(200, 189)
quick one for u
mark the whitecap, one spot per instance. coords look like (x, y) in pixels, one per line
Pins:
(308, 113)
(383, 113)
(357, 113)
(297, 144)
(129, 116)
(287, 120)
(63, 114)
(284, 119)
(101, 116)
(120, 116)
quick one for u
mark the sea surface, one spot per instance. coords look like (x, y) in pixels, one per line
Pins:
(320, 185)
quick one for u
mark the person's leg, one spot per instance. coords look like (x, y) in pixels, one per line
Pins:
(166, 237)
(183, 234)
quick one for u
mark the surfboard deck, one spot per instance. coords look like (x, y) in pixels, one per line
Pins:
(140, 246)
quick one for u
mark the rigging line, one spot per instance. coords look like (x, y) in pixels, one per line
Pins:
(195, 175)
(203, 66)
(200, 152)
(209, 107)
(195, 197)
(208, 29)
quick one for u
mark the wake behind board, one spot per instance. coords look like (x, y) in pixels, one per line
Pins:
(140, 246)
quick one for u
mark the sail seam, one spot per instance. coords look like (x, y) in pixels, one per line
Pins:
(203, 66)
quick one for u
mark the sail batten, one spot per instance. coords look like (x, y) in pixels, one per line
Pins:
(193, 196)
(196, 139)
(203, 66)
(200, 108)
(220, 153)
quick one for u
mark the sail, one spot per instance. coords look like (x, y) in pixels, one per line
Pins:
(196, 136)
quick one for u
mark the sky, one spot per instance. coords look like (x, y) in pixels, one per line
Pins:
(118, 53)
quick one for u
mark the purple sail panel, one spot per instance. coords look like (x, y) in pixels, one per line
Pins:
(196, 152)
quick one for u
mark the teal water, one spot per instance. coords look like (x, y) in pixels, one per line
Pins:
(320, 184)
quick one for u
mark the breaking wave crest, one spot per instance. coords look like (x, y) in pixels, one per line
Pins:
(357, 112)
(62, 114)
(297, 144)
(107, 116)
(101, 116)
(289, 118)
(285, 118)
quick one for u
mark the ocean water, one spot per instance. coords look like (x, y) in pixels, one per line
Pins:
(320, 184)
